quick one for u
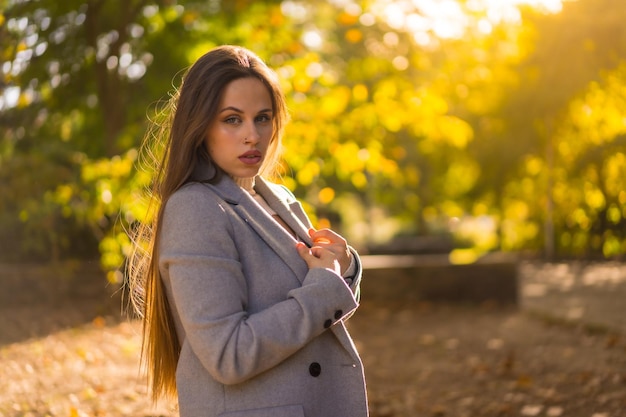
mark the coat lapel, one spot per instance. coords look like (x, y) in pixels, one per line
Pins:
(287, 207)
(262, 222)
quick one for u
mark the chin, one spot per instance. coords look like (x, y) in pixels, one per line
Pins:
(247, 173)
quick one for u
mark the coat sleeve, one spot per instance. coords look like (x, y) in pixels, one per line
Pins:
(354, 281)
(199, 258)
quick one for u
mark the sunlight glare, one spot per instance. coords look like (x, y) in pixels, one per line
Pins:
(395, 15)
(312, 39)
(429, 20)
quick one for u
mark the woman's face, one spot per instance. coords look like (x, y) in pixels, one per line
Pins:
(238, 137)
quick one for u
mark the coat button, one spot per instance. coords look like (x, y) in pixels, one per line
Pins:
(328, 323)
(338, 314)
(315, 369)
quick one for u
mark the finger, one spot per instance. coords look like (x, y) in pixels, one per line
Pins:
(317, 251)
(317, 238)
(325, 236)
(321, 241)
(313, 252)
(303, 250)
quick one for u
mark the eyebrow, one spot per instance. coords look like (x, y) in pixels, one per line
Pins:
(235, 109)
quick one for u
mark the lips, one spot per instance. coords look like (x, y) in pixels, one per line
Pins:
(251, 157)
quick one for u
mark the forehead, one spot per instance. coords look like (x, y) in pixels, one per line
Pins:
(248, 92)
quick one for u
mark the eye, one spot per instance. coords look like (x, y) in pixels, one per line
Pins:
(232, 120)
(263, 118)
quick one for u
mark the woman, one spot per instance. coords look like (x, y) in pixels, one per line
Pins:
(243, 301)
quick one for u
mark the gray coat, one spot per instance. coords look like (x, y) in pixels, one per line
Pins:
(261, 334)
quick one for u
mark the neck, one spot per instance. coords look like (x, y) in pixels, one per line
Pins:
(246, 183)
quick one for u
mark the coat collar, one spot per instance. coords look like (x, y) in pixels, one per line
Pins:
(283, 203)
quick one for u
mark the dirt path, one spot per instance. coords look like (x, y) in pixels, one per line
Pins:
(420, 360)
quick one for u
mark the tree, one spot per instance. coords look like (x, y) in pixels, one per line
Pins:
(402, 118)
(569, 51)
(73, 111)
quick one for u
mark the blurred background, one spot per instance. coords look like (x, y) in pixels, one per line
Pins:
(467, 126)
(480, 142)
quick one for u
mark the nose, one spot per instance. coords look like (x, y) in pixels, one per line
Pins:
(253, 134)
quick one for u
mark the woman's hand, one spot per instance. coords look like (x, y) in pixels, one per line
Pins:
(319, 257)
(327, 239)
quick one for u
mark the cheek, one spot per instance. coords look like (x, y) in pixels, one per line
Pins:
(267, 134)
(213, 140)
(207, 145)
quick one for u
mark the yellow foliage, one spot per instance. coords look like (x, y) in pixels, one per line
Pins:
(276, 18)
(388, 166)
(455, 131)
(24, 100)
(464, 256)
(614, 214)
(398, 153)
(116, 167)
(114, 277)
(64, 194)
(323, 223)
(412, 176)
(335, 102)
(392, 121)
(347, 155)
(307, 174)
(198, 50)
(289, 182)
(452, 209)
(615, 173)
(302, 83)
(360, 92)
(611, 247)
(66, 130)
(385, 89)
(460, 177)
(170, 14)
(579, 217)
(326, 195)
(347, 19)
(189, 17)
(354, 35)
(429, 213)
(480, 208)
(534, 165)
(429, 102)
(594, 198)
(517, 210)
(529, 187)
(359, 180)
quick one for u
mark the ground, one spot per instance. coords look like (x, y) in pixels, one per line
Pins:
(430, 360)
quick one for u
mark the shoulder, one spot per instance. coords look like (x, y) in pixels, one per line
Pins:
(192, 193)
(193, 200)
(192, 216)
(195, 222)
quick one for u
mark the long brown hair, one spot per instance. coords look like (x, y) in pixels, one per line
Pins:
(180, 141)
